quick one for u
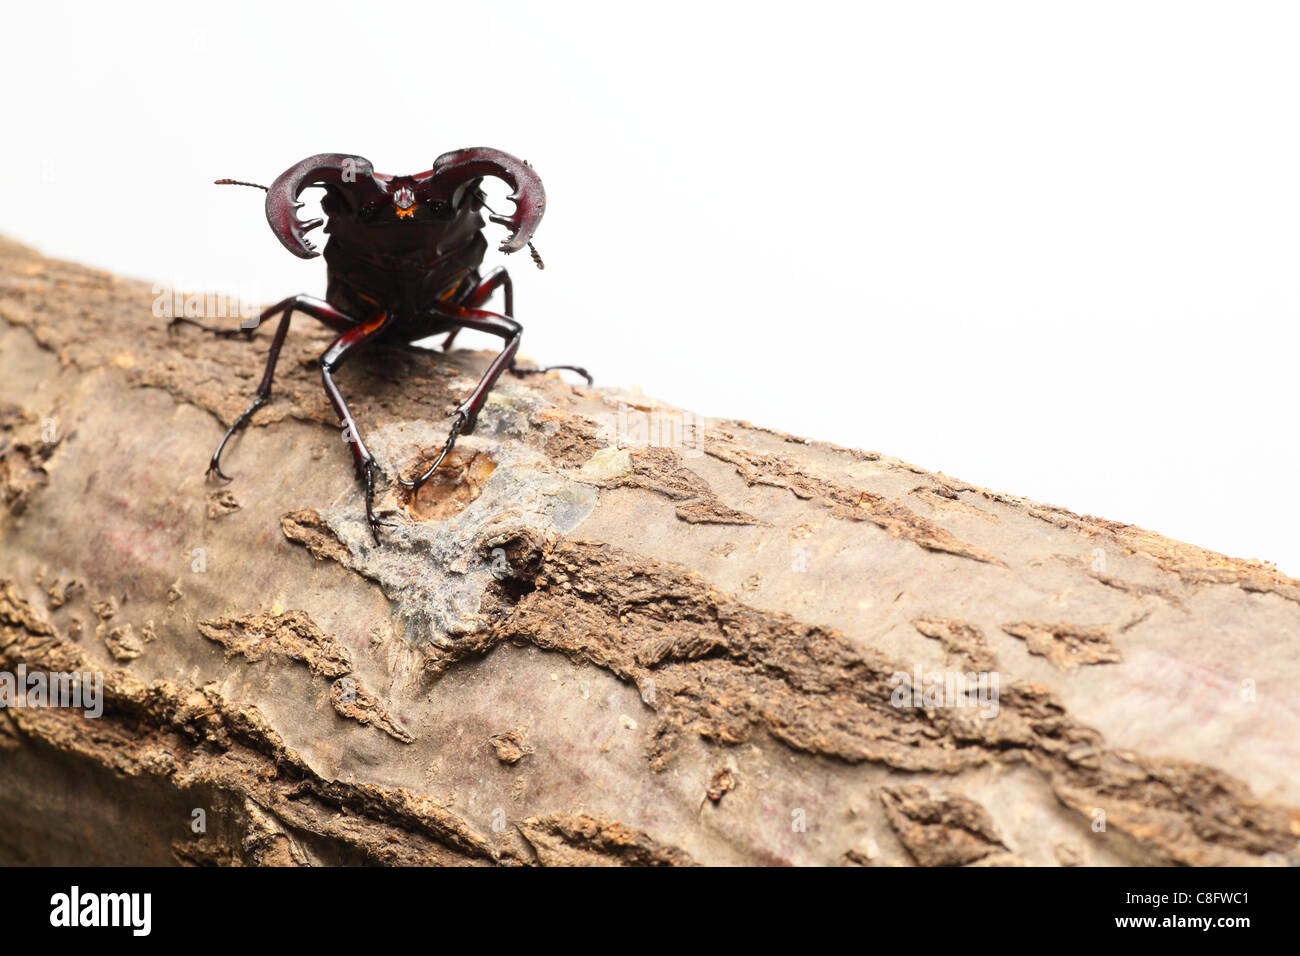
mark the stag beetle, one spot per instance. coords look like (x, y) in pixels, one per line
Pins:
(402, 264)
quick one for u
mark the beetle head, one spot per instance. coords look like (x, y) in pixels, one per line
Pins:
(454, 176)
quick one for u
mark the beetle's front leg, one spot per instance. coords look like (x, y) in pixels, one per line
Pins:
(467, 414)
(318, 309)
(329, 363)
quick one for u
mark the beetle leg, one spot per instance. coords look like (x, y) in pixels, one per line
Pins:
(245, 331)
(457, 424)
(521, 372)
(499, 278)
(467, 413)
(329, 363)
(317, 309)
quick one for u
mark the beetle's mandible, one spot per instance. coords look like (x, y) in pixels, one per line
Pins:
(403, 262)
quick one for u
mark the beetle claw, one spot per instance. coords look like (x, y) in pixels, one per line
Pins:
(456, 427)
(368, 469)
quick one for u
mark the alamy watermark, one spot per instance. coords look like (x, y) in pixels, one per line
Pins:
(130, 910)
(53, 689)
(655, 428)
(935, 689)
(170, 302)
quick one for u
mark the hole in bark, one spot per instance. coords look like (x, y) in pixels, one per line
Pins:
(515, 589)
(523, 553)
(456, 483)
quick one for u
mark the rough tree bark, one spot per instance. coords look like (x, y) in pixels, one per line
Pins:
(580, 647)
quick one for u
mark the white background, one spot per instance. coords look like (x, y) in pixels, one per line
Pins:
(1048, 248)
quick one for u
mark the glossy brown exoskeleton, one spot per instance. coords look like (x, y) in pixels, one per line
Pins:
(403, 262)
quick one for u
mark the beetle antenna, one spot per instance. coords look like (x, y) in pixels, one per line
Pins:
(237, 182)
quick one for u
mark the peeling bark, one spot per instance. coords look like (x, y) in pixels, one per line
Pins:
(944, 831)
(582, 644)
